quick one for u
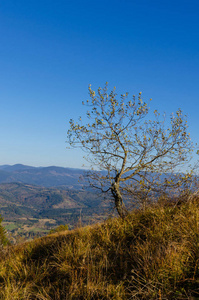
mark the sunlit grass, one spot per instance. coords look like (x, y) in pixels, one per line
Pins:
(151, 254)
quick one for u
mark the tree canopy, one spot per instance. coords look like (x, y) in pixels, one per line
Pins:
(132, 145)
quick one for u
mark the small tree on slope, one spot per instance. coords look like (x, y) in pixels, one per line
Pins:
(133, 150)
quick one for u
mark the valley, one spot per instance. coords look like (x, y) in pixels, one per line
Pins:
(30, 210)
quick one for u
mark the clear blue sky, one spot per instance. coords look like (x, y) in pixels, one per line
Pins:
(51, 50)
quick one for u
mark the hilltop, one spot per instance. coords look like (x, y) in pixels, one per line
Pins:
(43, 176)
(151, 254)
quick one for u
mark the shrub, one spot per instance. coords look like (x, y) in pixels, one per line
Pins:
(59, 228)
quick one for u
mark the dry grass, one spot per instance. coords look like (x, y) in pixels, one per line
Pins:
(152, 254)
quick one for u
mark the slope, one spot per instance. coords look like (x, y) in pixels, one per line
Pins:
(30, 210)
(151, 254)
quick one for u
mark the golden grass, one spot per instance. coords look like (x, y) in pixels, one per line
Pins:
(151, 254)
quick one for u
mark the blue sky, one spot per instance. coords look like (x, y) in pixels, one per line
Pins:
(50, 51)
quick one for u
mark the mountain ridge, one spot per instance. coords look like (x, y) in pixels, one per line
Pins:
(51, 176)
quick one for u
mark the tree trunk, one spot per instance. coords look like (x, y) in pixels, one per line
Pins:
(119, 204)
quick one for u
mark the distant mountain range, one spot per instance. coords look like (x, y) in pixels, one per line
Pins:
(42, 176)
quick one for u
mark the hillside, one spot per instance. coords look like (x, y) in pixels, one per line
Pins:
(30, 210)
(151, 254)
(43, 176)
(35, 199)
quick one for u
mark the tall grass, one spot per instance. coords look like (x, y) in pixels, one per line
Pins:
(151, 254)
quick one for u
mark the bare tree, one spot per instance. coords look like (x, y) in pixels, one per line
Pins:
(133, 150)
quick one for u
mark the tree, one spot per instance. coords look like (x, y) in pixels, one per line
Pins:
(133, 150)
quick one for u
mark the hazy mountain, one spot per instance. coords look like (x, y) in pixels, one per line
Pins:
(43, 176)
(4, 167)
(17, 167)
(3, 175)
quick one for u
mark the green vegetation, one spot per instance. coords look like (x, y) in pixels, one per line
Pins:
(59, 229)
(150, 254)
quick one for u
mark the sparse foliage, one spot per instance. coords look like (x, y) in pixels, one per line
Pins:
(134, 151)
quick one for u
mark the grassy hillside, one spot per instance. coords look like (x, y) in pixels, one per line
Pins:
(152, 254)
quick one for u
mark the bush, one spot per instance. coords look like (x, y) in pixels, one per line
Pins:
(59, 228)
